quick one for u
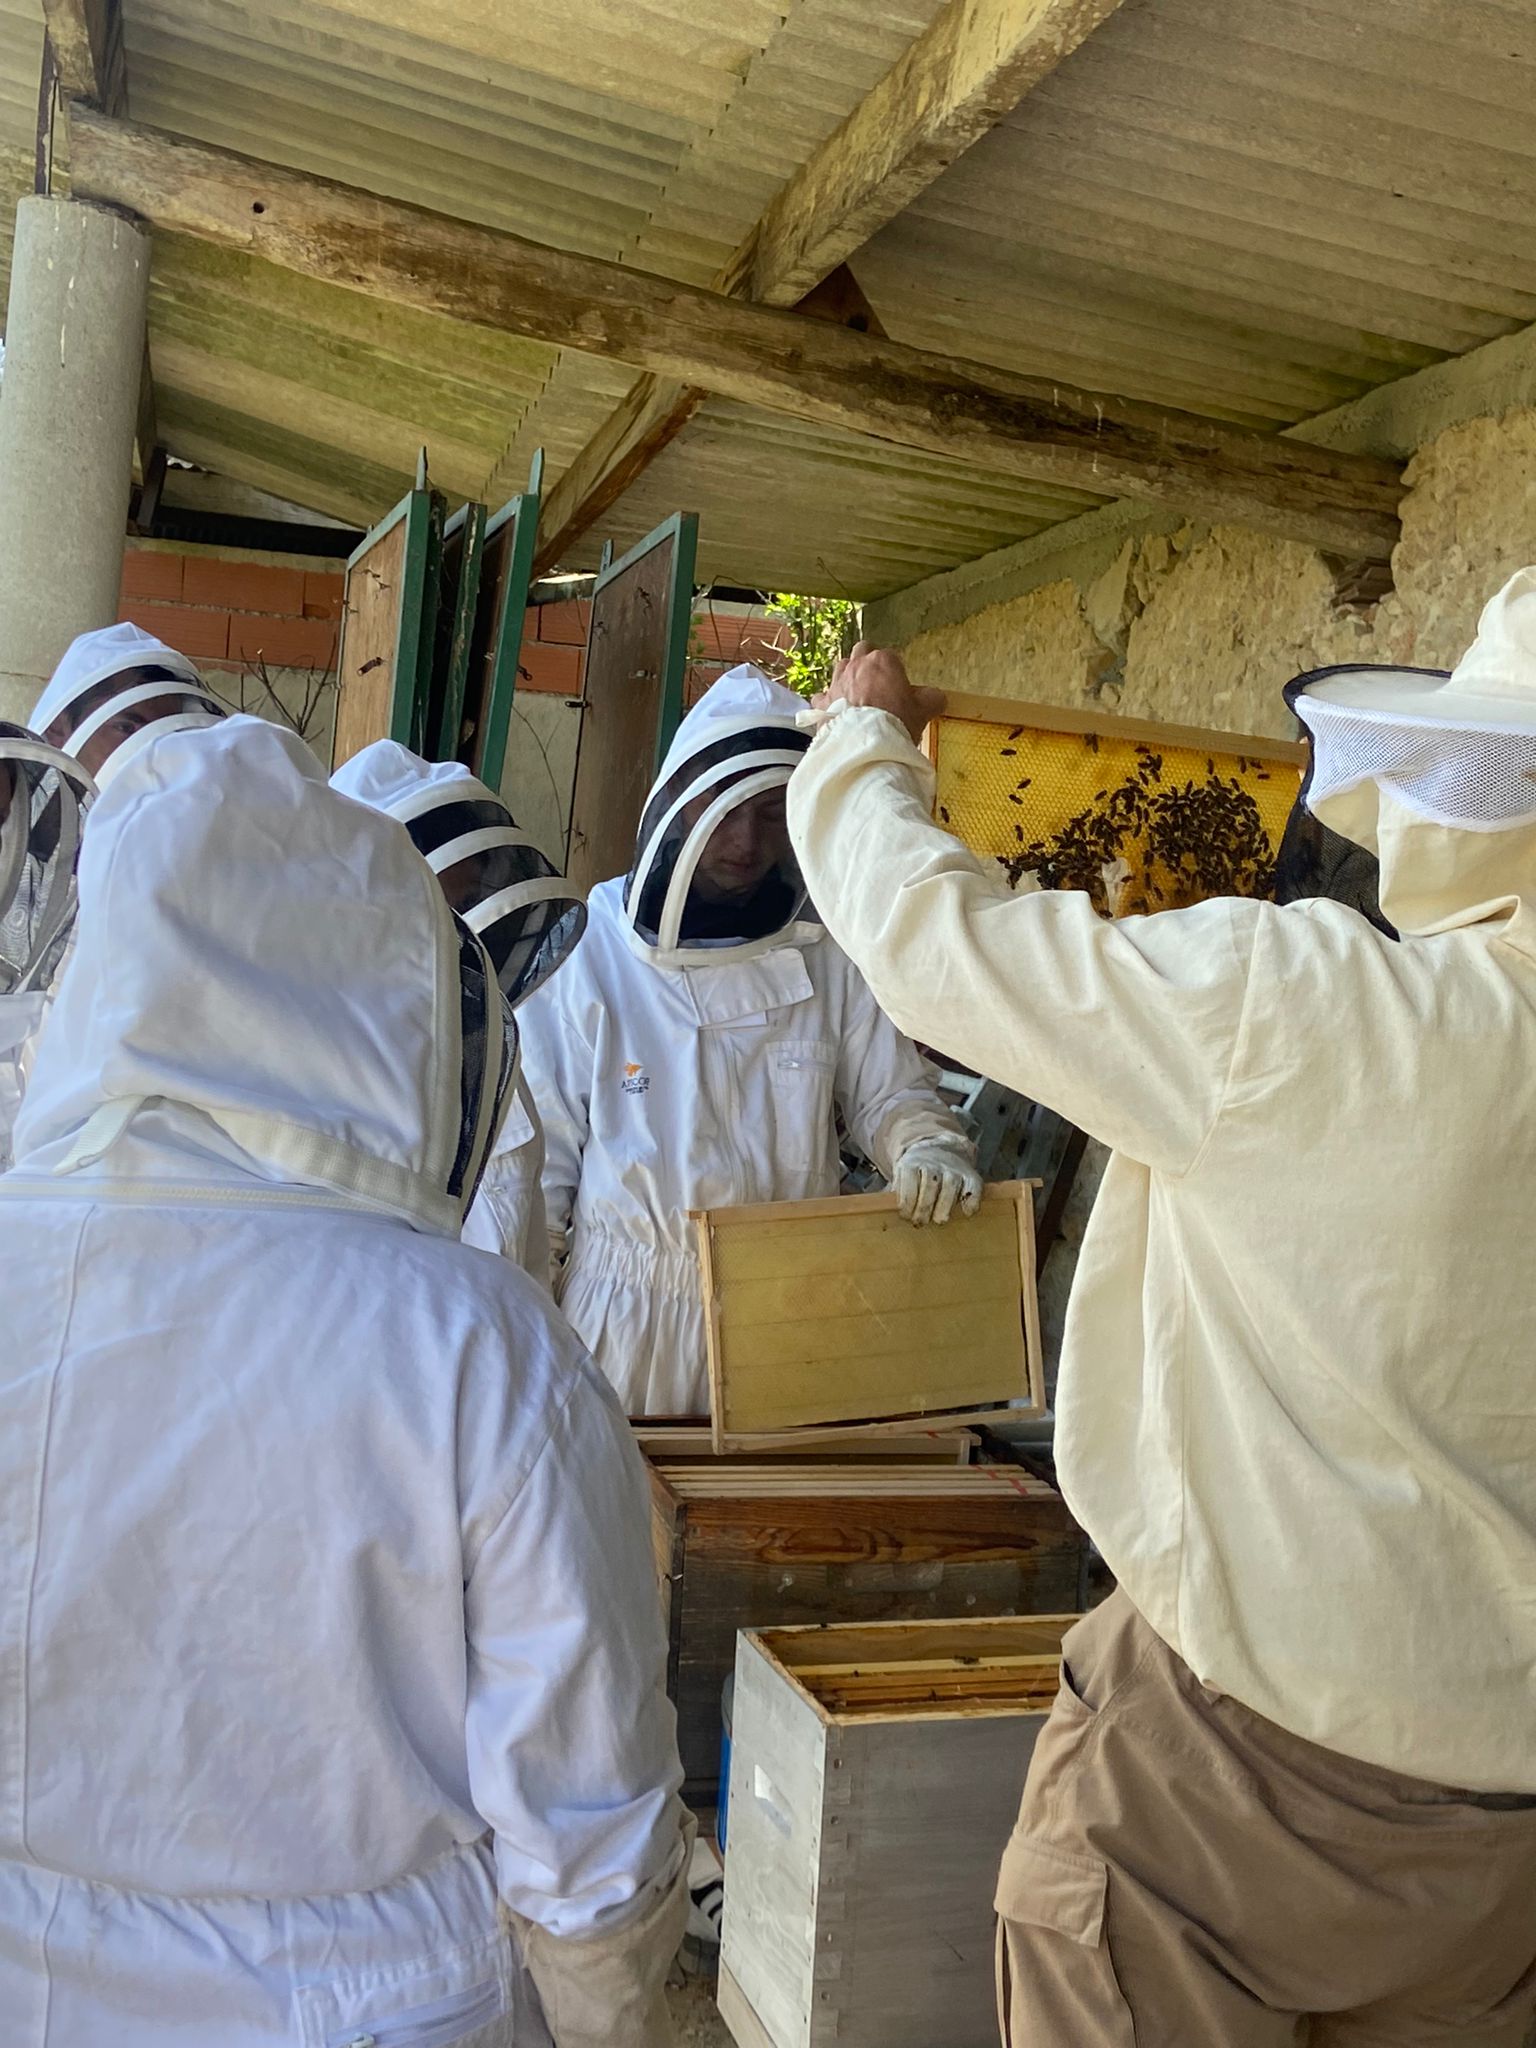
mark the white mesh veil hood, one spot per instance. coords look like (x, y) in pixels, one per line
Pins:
(386, 776)
(254, 948)
(742, 737)
(1435, 773)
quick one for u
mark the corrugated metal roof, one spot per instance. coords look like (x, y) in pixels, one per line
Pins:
(21, 66)
(787, 506)
(1249, 208)
(652, 133)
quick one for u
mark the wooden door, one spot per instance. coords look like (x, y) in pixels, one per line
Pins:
(632, 694)
(384, 666)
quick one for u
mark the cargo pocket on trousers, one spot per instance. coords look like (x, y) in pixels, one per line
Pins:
(458, 2000)
(1056, 1979)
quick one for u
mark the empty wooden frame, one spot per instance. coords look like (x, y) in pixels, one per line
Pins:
(828, 1314)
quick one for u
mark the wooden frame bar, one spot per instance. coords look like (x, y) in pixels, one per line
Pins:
(1011, 711)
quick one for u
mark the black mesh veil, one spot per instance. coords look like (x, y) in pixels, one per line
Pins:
(680, 819)
(488, 1038)
(43, 794)
(126, 711)
(520, 907)
(1315, 862)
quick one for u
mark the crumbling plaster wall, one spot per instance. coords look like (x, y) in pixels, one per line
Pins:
(1205, 625)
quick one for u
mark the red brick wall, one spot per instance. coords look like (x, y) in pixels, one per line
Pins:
(226, 614)
(556, 636)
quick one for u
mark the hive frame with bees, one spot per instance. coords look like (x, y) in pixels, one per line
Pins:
(1142, 815)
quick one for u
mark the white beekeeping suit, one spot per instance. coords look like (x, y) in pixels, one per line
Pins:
(43, 794)
(695, 1053)
(528, 917)
(330, 1657)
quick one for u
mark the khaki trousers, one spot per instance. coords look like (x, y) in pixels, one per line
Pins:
(1185, 1874)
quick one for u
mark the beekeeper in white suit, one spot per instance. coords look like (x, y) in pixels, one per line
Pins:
(1289, 1786)
(116, 687)
(697, 1049)
(529, 919)
(43, 795)
(329, 1648)
(113, 690)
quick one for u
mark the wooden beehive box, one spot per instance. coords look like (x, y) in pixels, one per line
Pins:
(875, 1776)
(826, 1314)
(791, 1540)
(666, 1442)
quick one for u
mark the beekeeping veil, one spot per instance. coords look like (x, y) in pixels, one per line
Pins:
(739, 742)
(1316, 862)
(161, 691)
(516, 902)
(1435, 773)
(43, 794)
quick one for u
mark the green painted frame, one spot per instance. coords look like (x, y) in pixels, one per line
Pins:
(683, 529)
(470, 520)
(522, 513)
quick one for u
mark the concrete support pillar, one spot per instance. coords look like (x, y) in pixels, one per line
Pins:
(74, 349)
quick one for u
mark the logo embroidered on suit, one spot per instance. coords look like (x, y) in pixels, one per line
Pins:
(636, 1080)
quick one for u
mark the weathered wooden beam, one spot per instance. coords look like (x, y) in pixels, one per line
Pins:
(649, 418)
(806, 369)
(959, 78)
(87, 39)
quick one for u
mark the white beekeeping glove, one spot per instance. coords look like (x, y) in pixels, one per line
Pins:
(932, 1175)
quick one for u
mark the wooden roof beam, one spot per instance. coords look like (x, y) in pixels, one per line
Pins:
(969, 68)
(87, 39)
(778, 361)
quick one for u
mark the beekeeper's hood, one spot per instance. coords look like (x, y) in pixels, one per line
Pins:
(1435, 773)
(173, 697)
(270, 974)
(43, 795)
(525, 913)
(738, 744)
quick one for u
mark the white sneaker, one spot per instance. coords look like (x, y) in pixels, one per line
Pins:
(706, 1894)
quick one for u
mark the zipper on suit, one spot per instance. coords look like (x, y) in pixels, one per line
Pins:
(437, 2025)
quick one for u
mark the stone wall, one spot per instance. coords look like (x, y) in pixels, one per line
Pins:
(1205, 625)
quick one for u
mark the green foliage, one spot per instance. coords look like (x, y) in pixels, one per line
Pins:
(824, 628)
